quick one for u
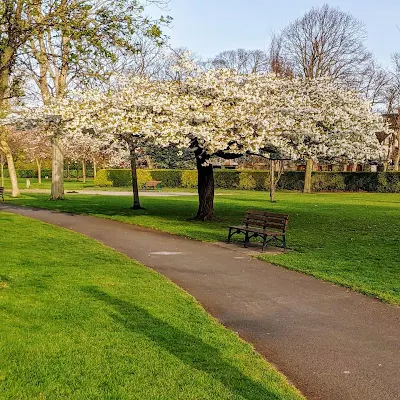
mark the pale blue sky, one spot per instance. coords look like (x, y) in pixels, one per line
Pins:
(209, 26)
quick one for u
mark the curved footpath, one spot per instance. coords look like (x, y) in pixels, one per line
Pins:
(332, 343)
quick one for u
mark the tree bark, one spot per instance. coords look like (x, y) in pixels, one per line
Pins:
(308, 176)
(57, 170)
(84, 171)
(272, 184)
(68, 171)
(205, 189)
(2, 169)
(39, 170)
(135, 188)
(354, 167)
(11, 168)
(397, 158)
(94, 168)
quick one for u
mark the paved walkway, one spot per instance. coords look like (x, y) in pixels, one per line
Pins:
(331, 343)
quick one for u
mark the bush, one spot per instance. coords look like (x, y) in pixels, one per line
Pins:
(226, 178)
(327, 182)
(102, 179)
(169, 177)
(32, 173)
(143, 176)
(246, 181)
(291, 180)
(189, 179)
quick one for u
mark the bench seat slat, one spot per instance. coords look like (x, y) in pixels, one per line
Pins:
(266, 214)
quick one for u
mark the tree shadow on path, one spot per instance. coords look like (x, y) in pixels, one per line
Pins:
(188, 348)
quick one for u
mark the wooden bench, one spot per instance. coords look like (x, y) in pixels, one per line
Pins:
(152, 185)
(2, 192)
(269, 226)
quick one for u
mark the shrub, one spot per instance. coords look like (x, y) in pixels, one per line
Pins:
(246, 181)
(226, 179)
(102, 178)
(261, 179)
(292, 180)
(169, 177)
(327, 181)
(143, 176)
(32, 173)
(189, 179)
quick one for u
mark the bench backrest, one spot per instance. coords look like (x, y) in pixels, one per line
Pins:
(265, 219)
(1, 190)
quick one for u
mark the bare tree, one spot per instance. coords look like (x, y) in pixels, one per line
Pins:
(241, 60)
(325, 42)
(375, 83)
(278, 65)
(392, 103)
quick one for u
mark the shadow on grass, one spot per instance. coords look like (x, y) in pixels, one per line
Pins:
(188, 348)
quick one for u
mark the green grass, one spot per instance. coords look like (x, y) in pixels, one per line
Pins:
(46, 184)
(81, 321)
(347, 238)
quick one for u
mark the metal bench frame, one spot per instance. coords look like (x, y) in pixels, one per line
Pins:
(271, 227)
(2, 192)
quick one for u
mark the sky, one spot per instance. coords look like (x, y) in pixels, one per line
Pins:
(208, 27)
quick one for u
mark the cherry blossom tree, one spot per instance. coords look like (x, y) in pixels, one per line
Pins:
(35, 145)
(226, 114)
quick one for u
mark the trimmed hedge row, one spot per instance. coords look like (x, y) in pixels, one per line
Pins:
(258, 180)
(32, 173)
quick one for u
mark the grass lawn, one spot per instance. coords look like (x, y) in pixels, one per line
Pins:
(46, 184)
(81, 321)
(348, 238)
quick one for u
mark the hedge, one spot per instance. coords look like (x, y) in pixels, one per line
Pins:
(258, 180)
(32, 173)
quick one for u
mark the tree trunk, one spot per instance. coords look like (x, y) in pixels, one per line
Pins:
(84, 171)
(272, 183)
(39, 171)
(397, 158)
(94, 168)
(11, 168)
(205, 188)
(2, 169)
(68, 172)
(57, 170)
(149, 162)
(135, 188)
(308, 176)
(354, 167)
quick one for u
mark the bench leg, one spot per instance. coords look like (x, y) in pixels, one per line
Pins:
(229, 235)
(284, 242)
(246, 239)
(265, 244)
